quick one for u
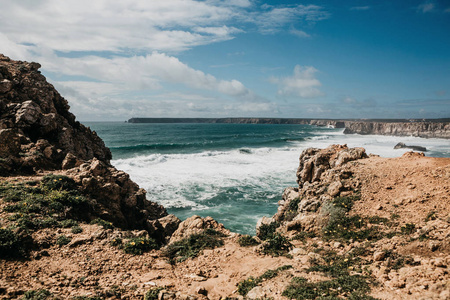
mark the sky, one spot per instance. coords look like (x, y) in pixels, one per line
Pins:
(113, 60)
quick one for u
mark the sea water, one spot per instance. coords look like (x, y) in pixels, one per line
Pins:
(235, 173)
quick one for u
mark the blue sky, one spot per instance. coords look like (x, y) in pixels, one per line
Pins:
(237, 58)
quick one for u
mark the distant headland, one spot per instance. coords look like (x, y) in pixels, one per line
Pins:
(426, 128)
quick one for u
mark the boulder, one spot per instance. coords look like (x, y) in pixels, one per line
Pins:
(195, 225)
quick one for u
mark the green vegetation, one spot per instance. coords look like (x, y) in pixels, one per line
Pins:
(138, 246)
(432, 215)
(37, 295)
(76, 229)
(409, 228)
(292, 209)
(192, 246)
(153, 293)
(11, 244)
(267, 231)
(48, 205)
(62, 240)
(246, 285)
(247, 241)
(103, 223)
(277, 245)
(303, 235)
(342, 284)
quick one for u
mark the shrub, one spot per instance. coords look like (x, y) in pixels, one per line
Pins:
(116, 242)
(103, 223)
(138, 246)
(62, 240)
(303, 235)
(76, 229)
(247, 241)
(408, 228)
(431, 216)
(68, 223)
(191, 246)
(58, 182)
(11, 244)
(246, 285)
(37, 295)
(153, 293)
(277, 245)
(267, 231)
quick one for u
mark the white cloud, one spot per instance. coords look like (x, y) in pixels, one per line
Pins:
(274, 18)
(426, 7)
(301, 84)
(299, 33)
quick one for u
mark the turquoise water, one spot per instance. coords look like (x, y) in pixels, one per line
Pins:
(235, 173)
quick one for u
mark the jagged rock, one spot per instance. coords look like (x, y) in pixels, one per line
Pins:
(334, 188)
(195, 225)
(256, 293)
(38, 133)
(163, 227)
(416, 148)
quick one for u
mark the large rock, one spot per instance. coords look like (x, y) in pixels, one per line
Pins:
(39, 134)
(195, 225)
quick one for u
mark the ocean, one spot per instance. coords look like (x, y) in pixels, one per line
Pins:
(235, 173)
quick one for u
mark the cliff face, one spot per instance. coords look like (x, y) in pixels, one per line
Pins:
(38, 134)
(419, 129)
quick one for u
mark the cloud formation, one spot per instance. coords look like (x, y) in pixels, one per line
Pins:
(301, 84)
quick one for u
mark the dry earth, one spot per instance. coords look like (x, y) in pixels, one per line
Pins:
(407, 189)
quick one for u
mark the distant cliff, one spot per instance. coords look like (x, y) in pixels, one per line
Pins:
(419, 129)
(433, 128)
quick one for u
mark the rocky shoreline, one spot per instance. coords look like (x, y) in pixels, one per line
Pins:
(72, 226)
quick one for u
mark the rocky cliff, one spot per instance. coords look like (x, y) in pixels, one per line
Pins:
(38, 135)
(419, 129)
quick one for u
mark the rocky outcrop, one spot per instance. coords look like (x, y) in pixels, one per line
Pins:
(322, 175)
(36, 128)
(38, 134)
(419, 129)
(416, 148)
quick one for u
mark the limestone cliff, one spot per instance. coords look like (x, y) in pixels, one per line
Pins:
(419, 129)
(38, 135)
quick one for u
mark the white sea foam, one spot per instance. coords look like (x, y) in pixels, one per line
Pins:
(256, 177)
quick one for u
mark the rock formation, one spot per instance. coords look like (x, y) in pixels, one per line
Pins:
(416, 148)
(419, 129)
(38, 134)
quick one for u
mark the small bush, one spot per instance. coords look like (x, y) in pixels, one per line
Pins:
(267, 231)
(247, 241)
(191, 246)
(303, 235)
(138, 246)
(58, 182)
(246, 285)
(76, 229)
(68, 223)
(11, 244)
(277, 245)
(103, 223)
(37, 295)
(153, 293)
(116, 242)
(431, 216)
(409, 228)
(62, 240)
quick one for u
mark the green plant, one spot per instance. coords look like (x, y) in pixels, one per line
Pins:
(246, 285)
(190, 246)
(116, 242)
(103, 223)
(247, 241)
(408, 228)
(277, 245)
(431, 216)
(138, 246)
(267, 231)
(11, 244)
(68, 223)
(62, 240)
(153, 293)
(37, 295)
(76, 229)
(58, 182)
(303, 235)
